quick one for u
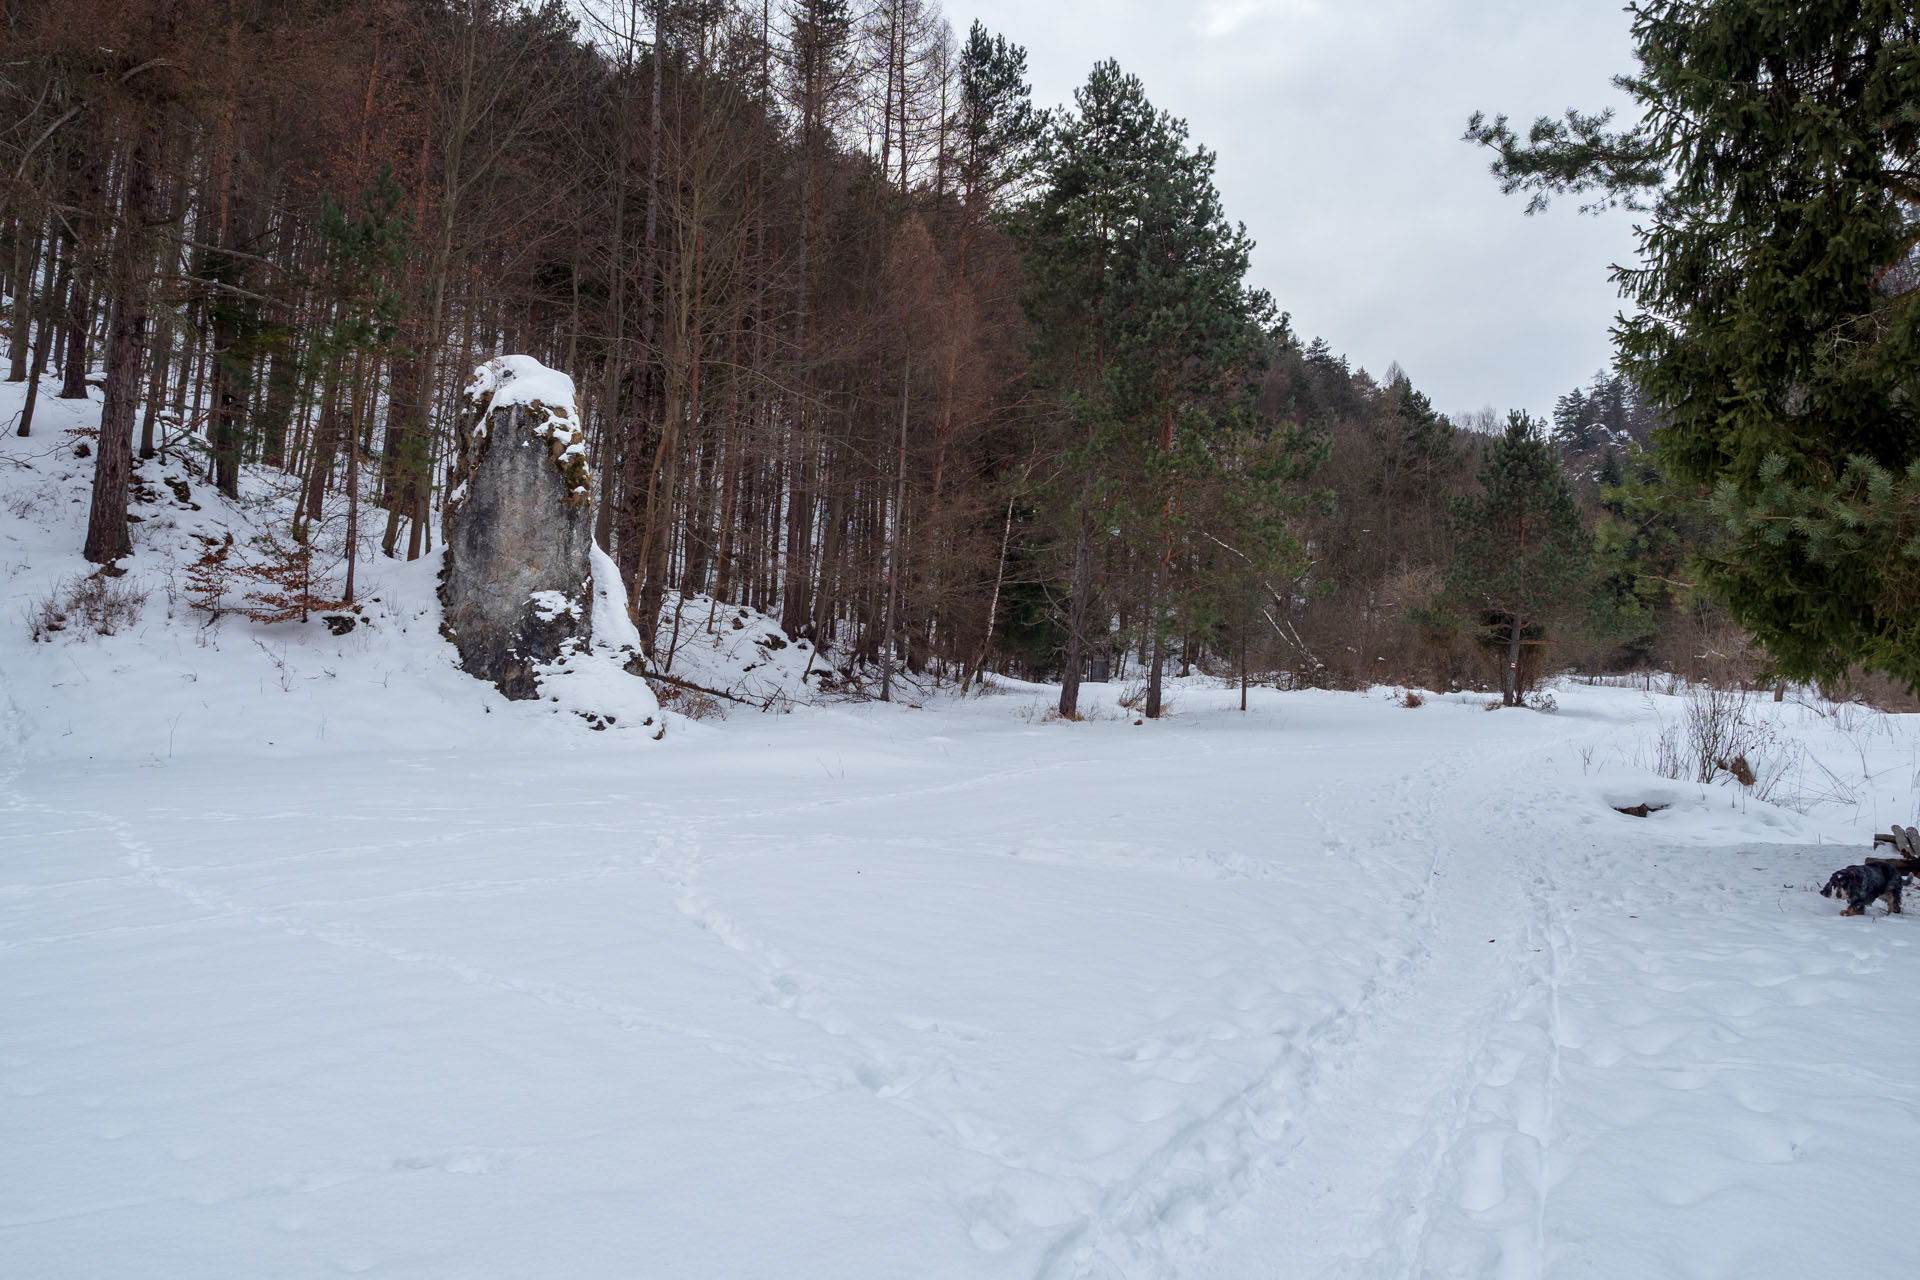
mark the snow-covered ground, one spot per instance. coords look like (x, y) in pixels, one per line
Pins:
(316, 957)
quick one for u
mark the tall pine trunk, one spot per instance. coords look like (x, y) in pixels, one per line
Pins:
(1514, 626)
(896, 547)
(1077, 606)
(73, 381)
(108, 535)
(1156, 663)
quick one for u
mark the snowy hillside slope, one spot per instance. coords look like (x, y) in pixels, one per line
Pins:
(171, 680)
(316, 957)
(739, 651)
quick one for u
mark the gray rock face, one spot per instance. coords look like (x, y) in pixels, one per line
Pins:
(517, 588)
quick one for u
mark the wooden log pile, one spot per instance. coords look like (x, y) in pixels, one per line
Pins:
(1905, 843)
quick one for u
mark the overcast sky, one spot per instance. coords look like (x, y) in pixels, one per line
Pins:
(1337, 126)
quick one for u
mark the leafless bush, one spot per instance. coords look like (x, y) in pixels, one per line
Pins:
(691, 703)
(1669, 759)
(26, 504)
(1133, 697)
(1720, 734)
(1411, 698)
(1721, 737)
(1871, 692)
(95, 604)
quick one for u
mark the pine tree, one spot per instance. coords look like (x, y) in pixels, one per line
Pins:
(1248, 555)
(1150, 344)
(1779, 321)
(995, 124)
(1522, 557)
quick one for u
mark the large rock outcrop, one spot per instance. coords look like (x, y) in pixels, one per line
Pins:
(517, 589)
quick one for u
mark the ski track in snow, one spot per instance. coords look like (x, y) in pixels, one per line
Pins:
(1374, 1224)
(1155, 1219)
(138, 855)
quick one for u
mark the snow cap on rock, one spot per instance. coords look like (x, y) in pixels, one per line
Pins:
(506, 382)
(510, 380)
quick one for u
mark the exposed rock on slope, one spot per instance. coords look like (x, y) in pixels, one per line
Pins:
(518, 585)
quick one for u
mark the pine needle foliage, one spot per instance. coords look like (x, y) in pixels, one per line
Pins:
(1778, 321)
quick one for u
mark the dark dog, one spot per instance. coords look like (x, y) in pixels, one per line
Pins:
(1861, 885)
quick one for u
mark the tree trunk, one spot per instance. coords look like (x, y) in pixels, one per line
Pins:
(652, 382)
(1157, 663)
(42, 348)
(1514, 625)
(610, 398)
(353, 479)
(156, 389)
(1077, 607)
(85, 224)
(283, 380)
(233, 345)
(26, 256)
(73, 383)
(108, 536)
(993, 606)
(326, 441)
(226, 426)
(896, 550)
(1243, 672)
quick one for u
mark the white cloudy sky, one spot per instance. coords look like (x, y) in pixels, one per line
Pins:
(1337, 126)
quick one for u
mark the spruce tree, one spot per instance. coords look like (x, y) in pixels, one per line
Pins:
(1779, 301)
(1521, 556)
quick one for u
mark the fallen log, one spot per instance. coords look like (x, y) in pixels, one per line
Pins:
(678, 683)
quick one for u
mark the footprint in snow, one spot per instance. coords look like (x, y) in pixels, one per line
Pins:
(466, 1160)
(958, 1031)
